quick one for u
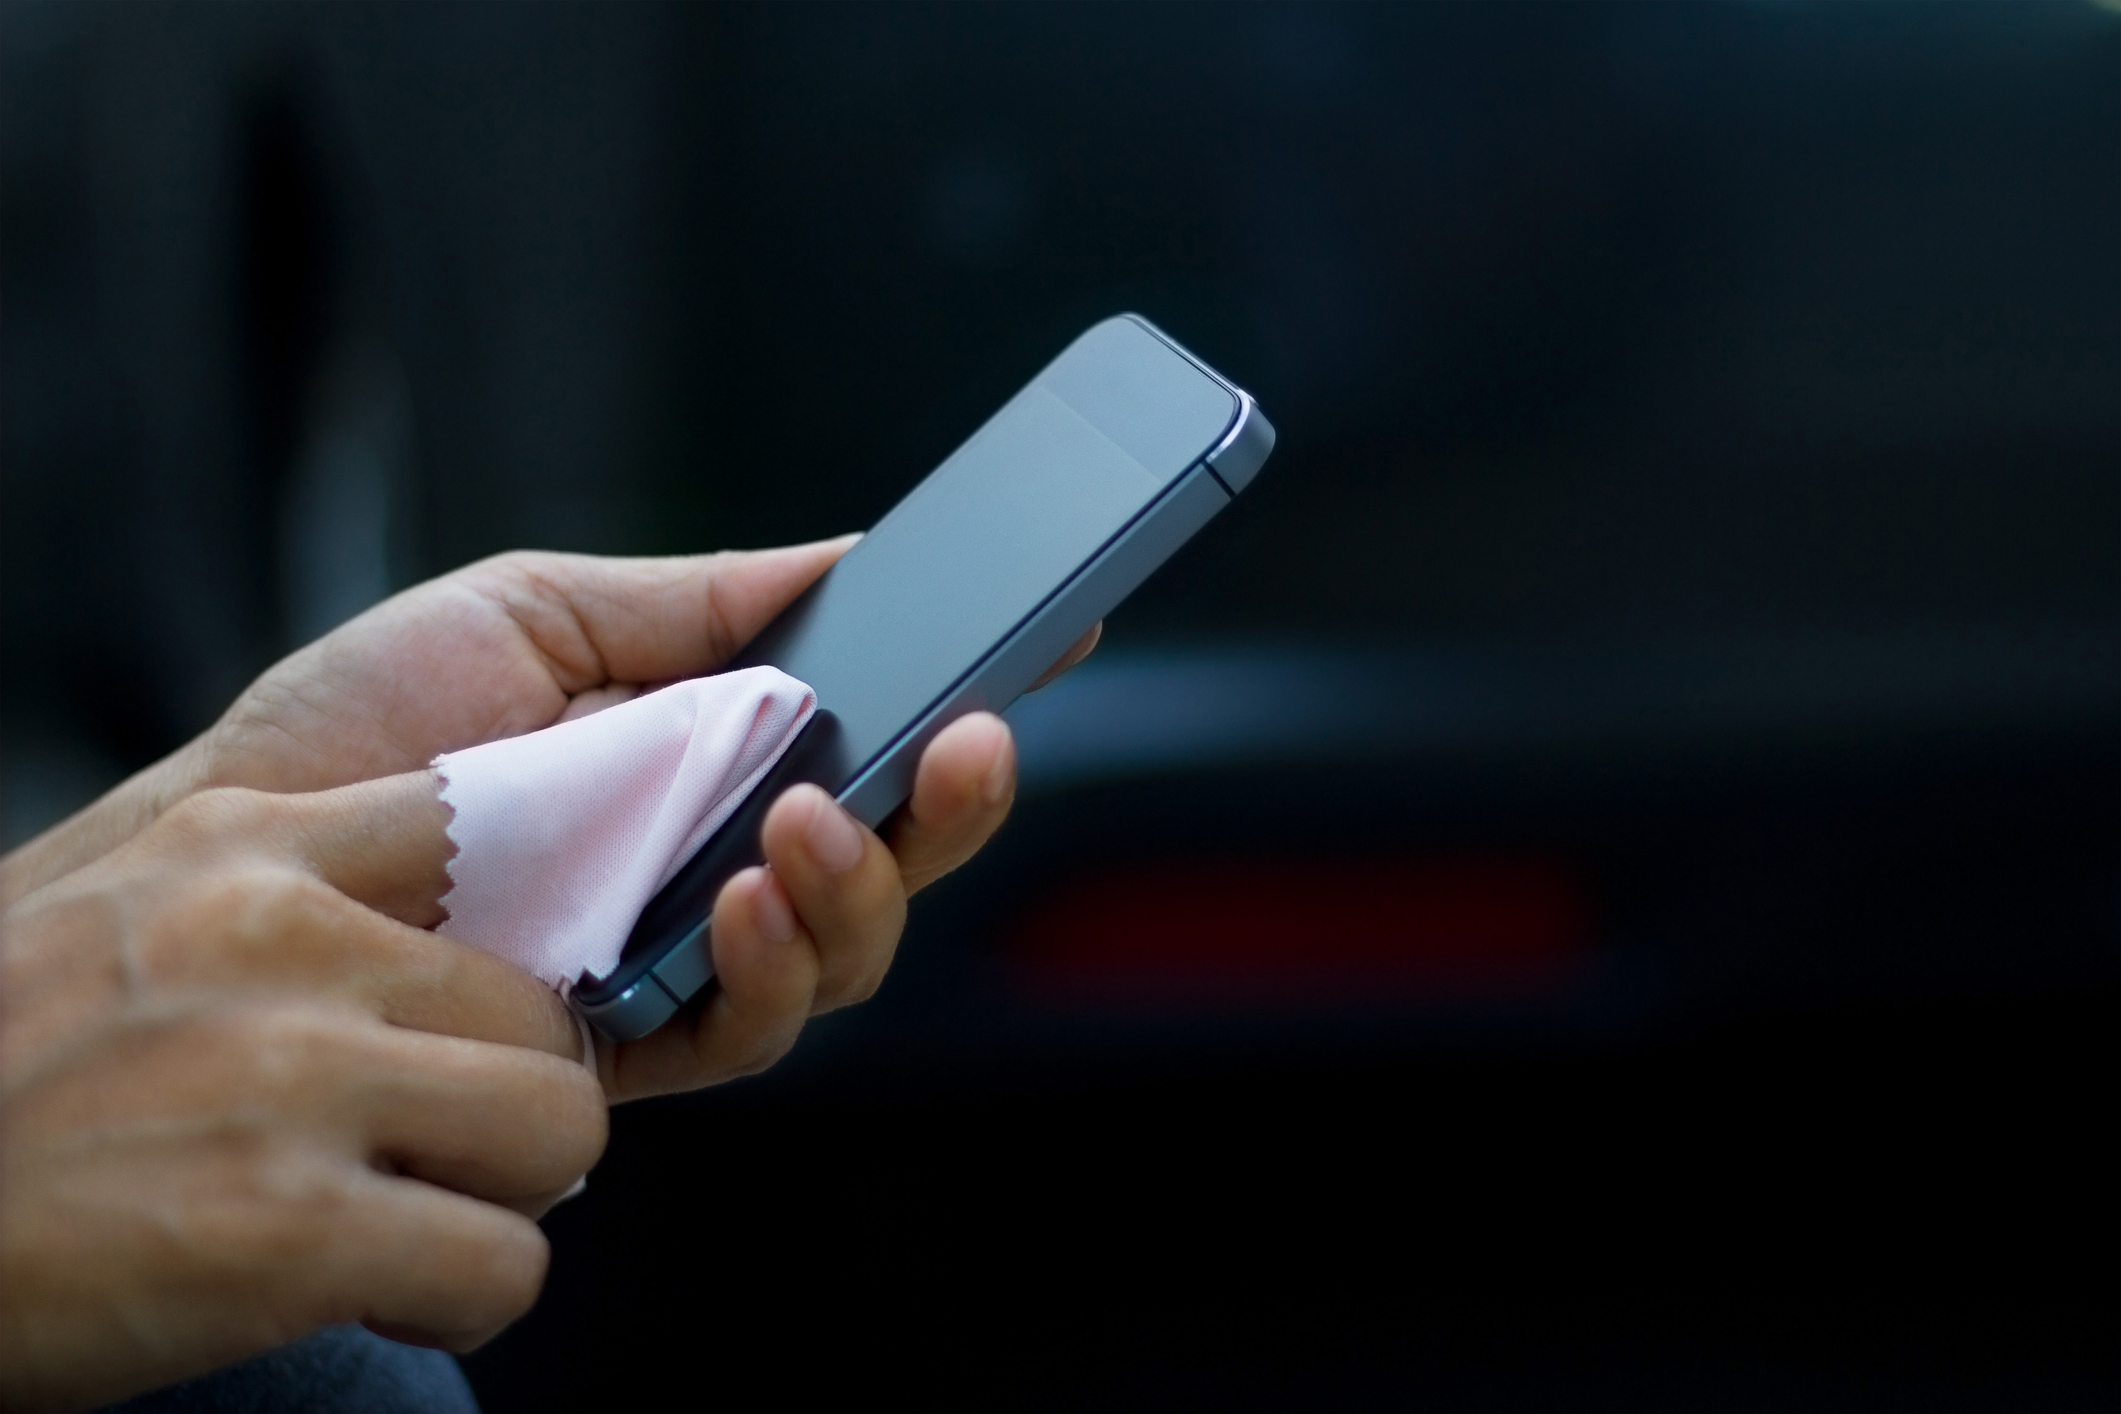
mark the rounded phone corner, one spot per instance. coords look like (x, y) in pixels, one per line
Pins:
(633, 1013)
(1245, 448)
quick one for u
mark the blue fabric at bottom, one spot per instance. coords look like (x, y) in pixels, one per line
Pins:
(339, 1370)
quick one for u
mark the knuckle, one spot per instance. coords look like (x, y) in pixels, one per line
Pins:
(520, 574)
(279, 899)
(279, 1207)
(254, 896)
(857, 988)
(218, 814)
(292, 1055)
(518, 562)
(865, 987)
(245, 910)
(764, 1053)
(311, 1196)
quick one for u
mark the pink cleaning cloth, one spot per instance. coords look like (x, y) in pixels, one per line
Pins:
(563, 835)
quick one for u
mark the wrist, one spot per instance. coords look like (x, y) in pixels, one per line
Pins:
(102, 826)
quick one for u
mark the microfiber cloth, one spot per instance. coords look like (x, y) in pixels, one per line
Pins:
(564, 834)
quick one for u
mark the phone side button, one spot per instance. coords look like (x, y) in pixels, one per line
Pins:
(690, 965)
(634, 1012)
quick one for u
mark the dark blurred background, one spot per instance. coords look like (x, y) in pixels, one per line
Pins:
(1595, 885)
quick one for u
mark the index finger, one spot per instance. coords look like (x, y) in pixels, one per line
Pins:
(383, 848)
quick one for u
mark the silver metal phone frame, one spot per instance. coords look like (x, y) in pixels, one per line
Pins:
(1093, 591)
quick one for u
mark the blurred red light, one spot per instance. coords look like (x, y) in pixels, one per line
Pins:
(1304, 932)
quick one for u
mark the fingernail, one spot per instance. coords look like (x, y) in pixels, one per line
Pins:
(995, 784)
(770, 911)
(832, 838)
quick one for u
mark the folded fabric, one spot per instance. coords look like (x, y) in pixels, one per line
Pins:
(564, 834)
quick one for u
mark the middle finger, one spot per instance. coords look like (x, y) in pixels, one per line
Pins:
(384, 845)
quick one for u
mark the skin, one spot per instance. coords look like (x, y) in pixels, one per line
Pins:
(245, 1092)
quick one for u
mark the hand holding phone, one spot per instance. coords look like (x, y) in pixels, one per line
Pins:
(1052, 513)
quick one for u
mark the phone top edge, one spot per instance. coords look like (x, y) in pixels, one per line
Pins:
(869, 801)
(650, 986)
(1248, 441)
(1150, 429)
(1152, 327)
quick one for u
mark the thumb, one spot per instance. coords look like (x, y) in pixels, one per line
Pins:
(384, 843)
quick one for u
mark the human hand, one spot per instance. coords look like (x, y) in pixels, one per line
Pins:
(243, 1096)
(521, 641)
(816, 928)
(498, 648)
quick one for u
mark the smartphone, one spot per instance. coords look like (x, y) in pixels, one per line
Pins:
(968, 589)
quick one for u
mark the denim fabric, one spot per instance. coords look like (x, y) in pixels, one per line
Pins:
(340, 1370)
